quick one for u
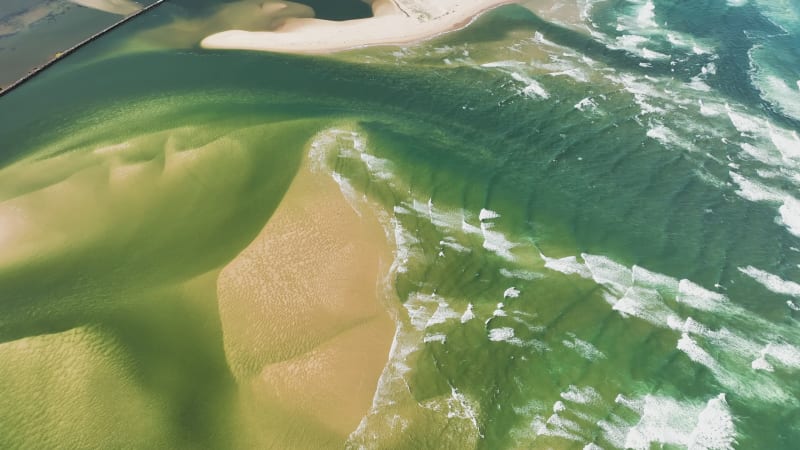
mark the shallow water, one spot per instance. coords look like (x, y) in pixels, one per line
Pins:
(596, 224)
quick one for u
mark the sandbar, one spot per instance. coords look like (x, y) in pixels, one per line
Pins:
(395, 22)
(120, 7)
(305, 318)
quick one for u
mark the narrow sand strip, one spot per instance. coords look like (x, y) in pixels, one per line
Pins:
(120, 7)
(395, 22)
(304, 318)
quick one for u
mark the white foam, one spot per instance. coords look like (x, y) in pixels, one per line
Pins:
(636, 405)
(786, 142)
(568, 265)
(555, 426)
(511, 292)
(350, 193)
(696, 353)
(790, 214)
(699, 297)
(504, 334)
(496, 242)
(754, 191)
(634, 43)
(403, 241)
(761, 362)
(378, 167)
(743, 123)
(609, 273)
(760, 154)
(520, 274)
(652, 55)
(708, 111)
(468, 314)
(442, 314)
(584, 348)
(540, 39)
(452, 244)
(778, 92)
(439, 337)
(786, 354)
(644, 303)
(642, 91)
(645, 278)
(646, 15)
(789, 210)
(662, 134)
(469, 228)
(445, 219)
(663, 421)
(582, 395)
(532, 87)
(614, 430)
(503, 64)
(772, 282)
(425, 311)
(460, 406)
(586, 104)
(487, 214)
(698, 84)
(715, 428)
(563, 424)
(573, 72)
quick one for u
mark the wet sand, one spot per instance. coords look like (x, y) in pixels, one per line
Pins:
(304, 317)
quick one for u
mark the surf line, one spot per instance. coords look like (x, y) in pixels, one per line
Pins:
(61, 55)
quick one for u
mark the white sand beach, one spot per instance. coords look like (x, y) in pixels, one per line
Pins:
(395, 22)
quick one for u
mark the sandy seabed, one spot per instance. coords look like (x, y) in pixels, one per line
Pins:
(304, 319)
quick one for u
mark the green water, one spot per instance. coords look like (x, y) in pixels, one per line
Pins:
(595, 245)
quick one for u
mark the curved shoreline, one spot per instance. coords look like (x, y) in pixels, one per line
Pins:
(391, 25)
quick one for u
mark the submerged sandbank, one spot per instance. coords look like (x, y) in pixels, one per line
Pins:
(395, 22)
(304, 318)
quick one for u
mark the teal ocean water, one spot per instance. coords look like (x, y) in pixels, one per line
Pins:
(594, 206)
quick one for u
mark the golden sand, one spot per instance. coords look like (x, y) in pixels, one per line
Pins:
(305, 326)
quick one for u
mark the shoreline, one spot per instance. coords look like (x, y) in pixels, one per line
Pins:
(391, 25)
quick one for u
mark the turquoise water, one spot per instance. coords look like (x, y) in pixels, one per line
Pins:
(596, 222)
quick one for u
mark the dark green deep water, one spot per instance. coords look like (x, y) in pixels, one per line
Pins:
(623, 226)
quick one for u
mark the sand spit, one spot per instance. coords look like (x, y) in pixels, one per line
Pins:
(305, 327)
(121, 7)
(395, 22)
